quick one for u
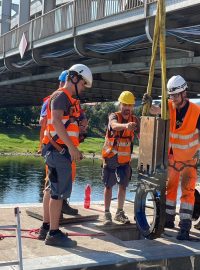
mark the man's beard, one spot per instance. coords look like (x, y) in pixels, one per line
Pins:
(126, 112)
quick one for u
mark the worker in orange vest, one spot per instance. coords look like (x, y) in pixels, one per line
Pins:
(183, 148)
(66, 208)
(60, 142)
(116, 155)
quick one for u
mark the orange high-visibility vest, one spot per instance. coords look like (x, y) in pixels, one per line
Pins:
(119, 142)
(184, 140)
(72, 129)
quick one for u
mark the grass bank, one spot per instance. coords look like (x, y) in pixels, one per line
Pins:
(20, 139)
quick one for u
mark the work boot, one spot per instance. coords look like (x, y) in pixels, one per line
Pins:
(42, 233)
(197, 226)
(107, 219)
(169, 224)
(60, 240)
(183, 235)
(121, 217)
(68, 210)
(169, 221)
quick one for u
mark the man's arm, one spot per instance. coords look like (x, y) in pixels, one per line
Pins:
(120, 126)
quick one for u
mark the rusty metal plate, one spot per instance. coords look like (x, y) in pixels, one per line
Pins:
(153, 144)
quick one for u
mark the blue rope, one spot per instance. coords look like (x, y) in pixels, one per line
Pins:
(57, 54)
(22, 64)
(189, 34)
(116, 45)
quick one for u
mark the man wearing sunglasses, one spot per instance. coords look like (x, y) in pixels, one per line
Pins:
(184, 144)
(61, 139)
(83, 124)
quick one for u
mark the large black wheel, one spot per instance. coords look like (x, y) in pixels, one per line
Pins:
(149, 210)
(196, 212)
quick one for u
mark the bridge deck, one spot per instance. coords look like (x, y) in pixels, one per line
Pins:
(113, 39)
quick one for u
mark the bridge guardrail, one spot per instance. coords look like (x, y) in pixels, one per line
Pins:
(12, 39)
(73, 13)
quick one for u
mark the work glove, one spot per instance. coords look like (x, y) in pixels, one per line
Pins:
(83, 125)
(82, 137)
(146, 99)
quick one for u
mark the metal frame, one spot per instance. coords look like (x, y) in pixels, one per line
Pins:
(17, 228)
(152, 175)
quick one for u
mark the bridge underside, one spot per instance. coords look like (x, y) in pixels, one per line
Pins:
(126, 69)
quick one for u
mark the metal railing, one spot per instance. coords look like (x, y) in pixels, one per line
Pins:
(73, 13)
(17, 228)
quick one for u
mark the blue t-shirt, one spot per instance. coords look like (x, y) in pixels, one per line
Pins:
(43, 112)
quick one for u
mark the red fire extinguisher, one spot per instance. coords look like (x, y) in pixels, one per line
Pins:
(87, 197)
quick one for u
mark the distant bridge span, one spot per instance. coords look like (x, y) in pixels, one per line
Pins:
(112, 37)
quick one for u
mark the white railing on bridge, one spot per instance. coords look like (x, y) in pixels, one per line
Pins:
(73, 13)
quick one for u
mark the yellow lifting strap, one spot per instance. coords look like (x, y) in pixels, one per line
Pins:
(158, 38)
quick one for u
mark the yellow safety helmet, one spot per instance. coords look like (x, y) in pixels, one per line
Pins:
(127, 97)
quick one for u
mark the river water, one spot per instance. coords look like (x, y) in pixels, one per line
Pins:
(22, 180)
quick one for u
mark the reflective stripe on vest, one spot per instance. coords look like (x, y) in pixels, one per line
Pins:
(70, 133)
(184, 140)
(119, 144)
(183, 137)
(72, 129)
(186, 211)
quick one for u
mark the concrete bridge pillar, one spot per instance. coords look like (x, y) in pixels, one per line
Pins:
(5, 16)
(24, 11)
(48, 5)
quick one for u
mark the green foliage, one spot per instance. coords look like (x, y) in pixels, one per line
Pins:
(19, 131)
(19, 115)
(98, 117)
(20, 139)
(92, 145)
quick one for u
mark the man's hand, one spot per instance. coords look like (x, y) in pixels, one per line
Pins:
(83, 125)
(146, 99)
(76, 155)
(131, 126)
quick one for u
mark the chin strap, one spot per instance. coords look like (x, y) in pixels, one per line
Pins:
(76, 89)
(71, 76)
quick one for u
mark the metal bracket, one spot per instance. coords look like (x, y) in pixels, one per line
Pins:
(79, 47)
(147, 22)
(37, 58)
(9, 66)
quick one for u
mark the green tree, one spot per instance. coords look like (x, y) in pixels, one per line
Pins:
(97, 114)
(19, 115)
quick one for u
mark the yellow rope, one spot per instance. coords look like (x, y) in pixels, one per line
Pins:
(159, 35)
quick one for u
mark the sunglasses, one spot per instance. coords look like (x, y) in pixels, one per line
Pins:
(174, 95)
(80, 78)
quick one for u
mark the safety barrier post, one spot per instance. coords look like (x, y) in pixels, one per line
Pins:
(17, 228)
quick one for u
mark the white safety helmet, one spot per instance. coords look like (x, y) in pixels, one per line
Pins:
(84, 72)
(176, 84)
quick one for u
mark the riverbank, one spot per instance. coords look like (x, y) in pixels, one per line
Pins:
(86, 155)
(29, 154)
(24, 141)
(21, 140)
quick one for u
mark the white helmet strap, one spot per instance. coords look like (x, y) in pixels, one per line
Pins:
(71, 75)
